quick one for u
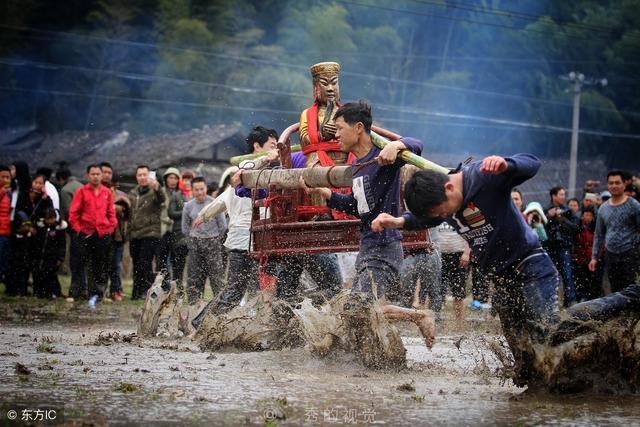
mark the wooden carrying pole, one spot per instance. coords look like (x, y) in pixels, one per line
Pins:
(335, 176)
(379, 141)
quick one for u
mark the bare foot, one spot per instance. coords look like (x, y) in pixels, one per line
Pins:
(427, 326)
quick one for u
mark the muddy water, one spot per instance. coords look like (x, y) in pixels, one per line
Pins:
(159, 381)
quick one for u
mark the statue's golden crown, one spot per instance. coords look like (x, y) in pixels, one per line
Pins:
(325, 69)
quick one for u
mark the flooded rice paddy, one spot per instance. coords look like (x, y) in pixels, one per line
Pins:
(91, 368)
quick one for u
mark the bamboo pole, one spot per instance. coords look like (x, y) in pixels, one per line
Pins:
(379, 141)
(336, 176)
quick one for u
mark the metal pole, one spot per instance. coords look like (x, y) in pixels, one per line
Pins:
(573, 159)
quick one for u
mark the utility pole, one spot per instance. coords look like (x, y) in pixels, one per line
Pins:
(578, 80)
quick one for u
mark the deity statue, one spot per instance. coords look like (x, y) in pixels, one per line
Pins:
(317, 125)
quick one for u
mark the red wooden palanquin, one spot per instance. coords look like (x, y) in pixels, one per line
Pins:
(287, 231)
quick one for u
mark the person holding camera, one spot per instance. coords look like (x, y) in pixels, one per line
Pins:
(562, 227)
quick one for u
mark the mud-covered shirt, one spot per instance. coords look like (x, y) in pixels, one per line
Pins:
(488, 220)
(376, 189)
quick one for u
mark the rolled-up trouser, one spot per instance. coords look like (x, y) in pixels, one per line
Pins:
(205, 260)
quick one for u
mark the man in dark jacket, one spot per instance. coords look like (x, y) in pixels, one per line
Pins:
(144, 229)
(562, 227)
(69, 184)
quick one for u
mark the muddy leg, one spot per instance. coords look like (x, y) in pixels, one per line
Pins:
(423, 319)
(458, 311)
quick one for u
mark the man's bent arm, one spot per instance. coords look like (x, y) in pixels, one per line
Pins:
(521, 167)
(343, 202)
(412, 222)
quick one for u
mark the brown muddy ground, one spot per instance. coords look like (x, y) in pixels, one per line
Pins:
(87, 363)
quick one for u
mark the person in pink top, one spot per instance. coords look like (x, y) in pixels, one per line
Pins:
(92, 216)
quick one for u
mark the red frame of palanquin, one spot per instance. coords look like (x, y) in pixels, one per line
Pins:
(286, 232)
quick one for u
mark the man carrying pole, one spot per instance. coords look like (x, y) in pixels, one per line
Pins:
(376, 189)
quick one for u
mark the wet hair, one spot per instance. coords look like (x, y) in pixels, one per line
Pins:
(624, 175)
(259, 134)
(142, 167)
(425, 191)
(4, 168)
(106, 165)
(63, 173)
(555, 190)
(44, 171)
(93, 165)
(197, 180)
(354, 112)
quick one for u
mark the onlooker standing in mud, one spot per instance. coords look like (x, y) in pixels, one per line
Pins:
(178, 241)
(93, 217)
(144, 229)
(618, 228)
(5, 219)
(49, 188)
(562, 226)
(116, 249)
(587, 284)
(49, 251)
(31, 203)
(205, 247)
(476, 202)
(69, 184)
(171, 178)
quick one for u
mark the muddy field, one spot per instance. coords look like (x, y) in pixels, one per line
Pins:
(91, 368)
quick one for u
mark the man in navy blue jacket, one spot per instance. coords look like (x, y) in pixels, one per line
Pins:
(376, 189)
(476, 201)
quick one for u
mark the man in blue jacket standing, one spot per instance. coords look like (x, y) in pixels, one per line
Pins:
(476, 201)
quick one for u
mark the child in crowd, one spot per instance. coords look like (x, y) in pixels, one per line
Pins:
(49, 251)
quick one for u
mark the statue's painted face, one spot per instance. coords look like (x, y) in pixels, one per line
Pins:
(327, 89)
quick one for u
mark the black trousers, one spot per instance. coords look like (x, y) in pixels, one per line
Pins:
(142, 252)
(623, 268)
(95, 252)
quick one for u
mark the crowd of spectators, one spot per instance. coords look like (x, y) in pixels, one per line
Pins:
(44, 223)
(592, 238)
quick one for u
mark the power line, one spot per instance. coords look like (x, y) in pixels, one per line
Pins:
(450, 18)
(510, 14)
(239, 89)
(296, 113)
(515, 60)
(146, 77)
(299, 67)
